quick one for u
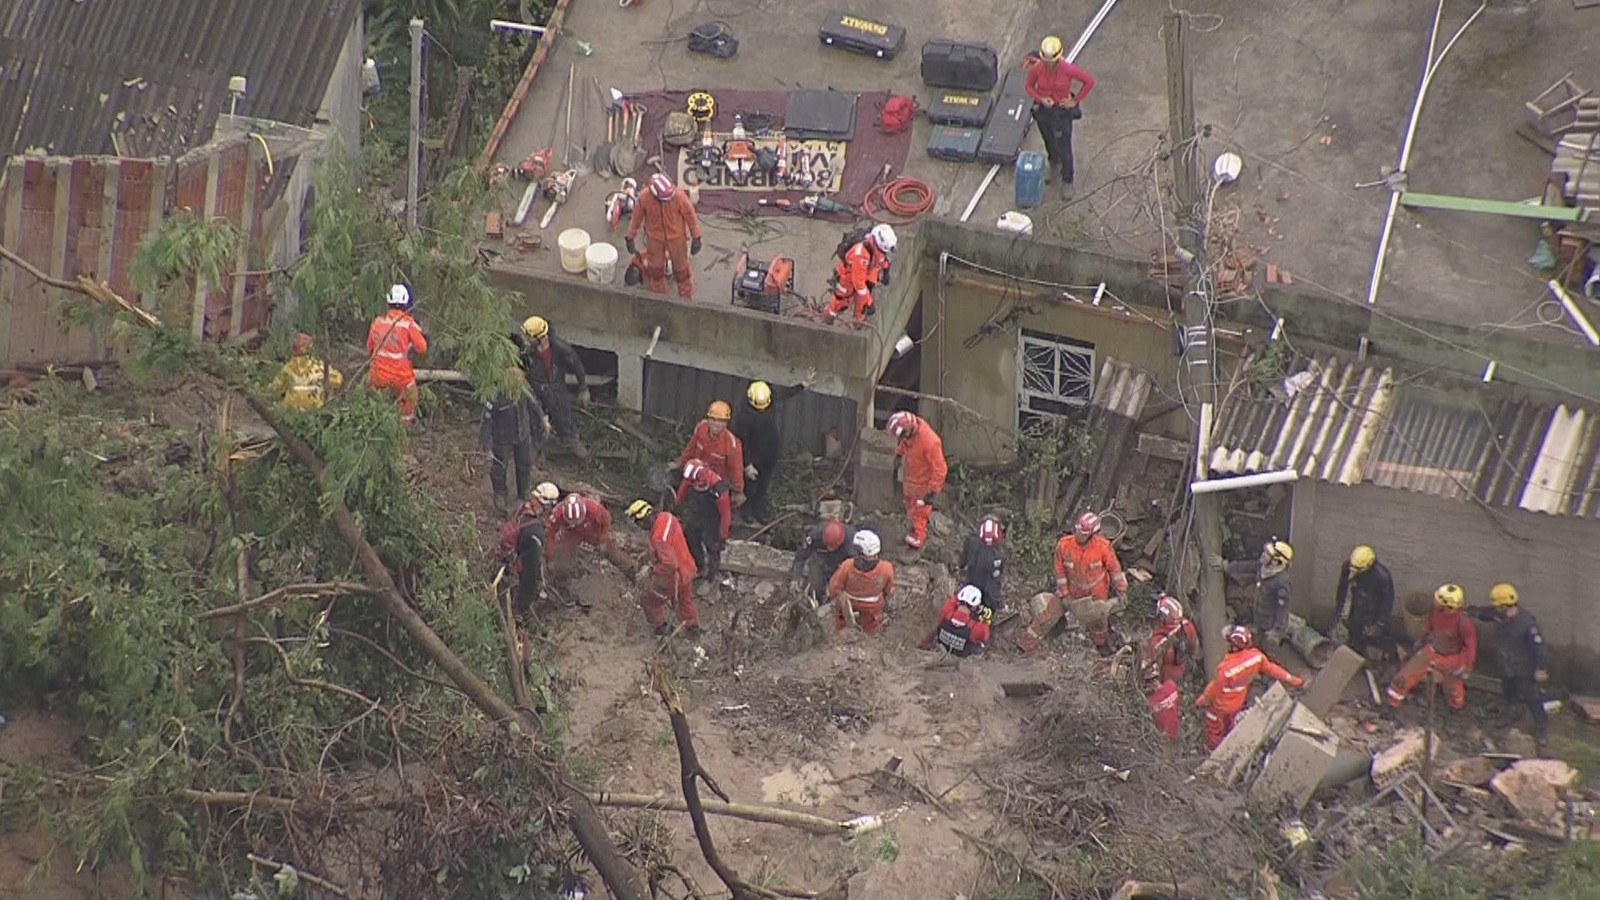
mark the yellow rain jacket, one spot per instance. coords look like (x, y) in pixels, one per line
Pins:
(300, 382)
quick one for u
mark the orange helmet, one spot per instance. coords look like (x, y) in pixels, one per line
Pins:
(301, 344)
(719, 411)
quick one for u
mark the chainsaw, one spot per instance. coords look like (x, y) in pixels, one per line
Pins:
(534, 166)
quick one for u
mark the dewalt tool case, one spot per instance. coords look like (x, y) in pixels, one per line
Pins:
(960, 108)
(961, 65)
(863, 34)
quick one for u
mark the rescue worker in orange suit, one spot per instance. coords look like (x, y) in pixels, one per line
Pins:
(1225, 696)
(1448, 647)
(756, 427)
(1057, 87)
(963, 625)
(983, 560)
(1173, 642)
(522, 544)
(716, 447)
(923, 472)
(669, 580)
(671, 231)
(302, 379)
(707, 515)
(390, 341)
(1087, 575)
(860, 588)
(575, 522)
(547, 360)
(1519, 649)
(827, 546)
(864, 266)
(1271, 574)
(1161, 694)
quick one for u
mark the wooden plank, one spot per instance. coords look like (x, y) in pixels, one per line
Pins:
(1164, 447)
(1511, 208)
(241, 264)
(11, 193)
(202, 288)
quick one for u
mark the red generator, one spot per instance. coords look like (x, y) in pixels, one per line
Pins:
(762, 285)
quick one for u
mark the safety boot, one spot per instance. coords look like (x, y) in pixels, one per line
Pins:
(575, 447)
(497, 507)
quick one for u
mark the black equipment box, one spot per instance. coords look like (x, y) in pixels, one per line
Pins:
(863, 35)
(820, 115)
(960, 108)
(957, 64)
(1009, 123)
(954, 144)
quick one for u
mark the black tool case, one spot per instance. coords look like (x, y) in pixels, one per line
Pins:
(961, 65)
(960, 108)
(1009, 122)
(954, 144)
(863, 34)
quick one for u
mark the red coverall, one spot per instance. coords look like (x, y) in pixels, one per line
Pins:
(1085, 576)
(672, 576)
(867, 592)
(562, 540)
(922, 477)
(390, 340)
(723, 453)
(668, 226)
(1171, 646)
(1226, 693)
(854, 278)
(1449, 647)
(1164, 708)
(954, 621)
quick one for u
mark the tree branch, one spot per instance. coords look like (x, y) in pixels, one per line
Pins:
(300, 873)
(84, 285)
(766, 814)
(289, 592)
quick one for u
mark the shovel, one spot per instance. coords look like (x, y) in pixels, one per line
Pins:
(600, 159)
(627, 154)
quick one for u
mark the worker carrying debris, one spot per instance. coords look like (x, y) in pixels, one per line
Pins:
(863, 265)
(303, 379)
(963, 625)
(522, 543)
(671, 231)
(756, 428)
(716, 447)
(1173, 642)
(1271, 574)
(860, 588)
(390, 340)
(1161, 694)
(922, 473)
(703, 496)
(1088, 574)
(1225, 695)
(547, 360)
(1058, 89)
(1370, 589)
(513, 425)
(575, 522)
(827, 546)
(1519, 649)
(983, 561)
(1448, 647)
(669, 580)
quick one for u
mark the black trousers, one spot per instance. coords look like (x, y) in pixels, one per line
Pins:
(504, 454)
(557, 405)
(1524, 690)
(993, 596)
(755, 492)
(1055, 126)
(1361, 622)
(705, 544)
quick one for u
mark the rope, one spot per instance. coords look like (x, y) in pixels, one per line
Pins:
(903, 198)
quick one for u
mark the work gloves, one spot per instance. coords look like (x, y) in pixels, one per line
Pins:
(738, 499)
(632, 247)
(694, 247)
(751, 473)
(583, 398)
(883, 278)
(928, 499)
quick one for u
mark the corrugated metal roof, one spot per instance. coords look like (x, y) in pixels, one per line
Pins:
(1354, 423)
(1121, 389)
(681, 393)
(69, 68)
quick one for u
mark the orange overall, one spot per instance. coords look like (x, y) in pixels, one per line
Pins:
(669, 225)
(562, 539)
(723, 452)
(390, 340)
(867, 591)
(1086, 574)
(1449, 647)
(922, 477)
(1225, 695)
(672, 575)
(855, 277)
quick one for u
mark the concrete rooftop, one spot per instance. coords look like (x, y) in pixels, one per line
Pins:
(1314, 96)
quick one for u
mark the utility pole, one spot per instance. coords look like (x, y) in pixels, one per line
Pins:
(1198, 333)
(414, 152)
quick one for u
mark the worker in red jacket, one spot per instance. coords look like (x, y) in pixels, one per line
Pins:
(1448, 647)
(1224, 697)
(715, 446)
(671, 231)
(575, 522)
(923, 475)
(669, 581)
(1173, 642)
(864, 266)
(963, 625)
(1161, 693)
(390, 340)
(1088, 573)
(1058, 89)
(707, 514)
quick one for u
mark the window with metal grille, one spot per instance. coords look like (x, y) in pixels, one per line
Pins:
(1055, 375)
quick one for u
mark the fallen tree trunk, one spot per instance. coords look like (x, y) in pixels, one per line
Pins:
(768, 814)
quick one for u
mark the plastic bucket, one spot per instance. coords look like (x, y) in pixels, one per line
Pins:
(574, 244)
(602, 260)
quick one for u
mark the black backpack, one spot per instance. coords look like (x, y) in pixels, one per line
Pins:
(714, 39)
(851, 238)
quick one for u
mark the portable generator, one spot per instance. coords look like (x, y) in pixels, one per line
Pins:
(758, 285)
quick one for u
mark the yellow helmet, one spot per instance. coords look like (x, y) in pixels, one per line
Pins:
(1449, 596)
(1050, 48)
(1362, 558)
(719, 411)
(1279, 551)
(535, 327)
(759, 394)
(640, 511)
(1503, 594)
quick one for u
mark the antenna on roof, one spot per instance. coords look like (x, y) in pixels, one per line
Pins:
(236, 89)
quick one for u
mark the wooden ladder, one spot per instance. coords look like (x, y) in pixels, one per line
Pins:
(1561, 113)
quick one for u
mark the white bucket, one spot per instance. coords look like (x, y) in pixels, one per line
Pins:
(574, 244)
(602, 263)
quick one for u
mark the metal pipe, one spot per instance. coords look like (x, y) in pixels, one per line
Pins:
(1573, 311)
(1217, 485)
(503, 25)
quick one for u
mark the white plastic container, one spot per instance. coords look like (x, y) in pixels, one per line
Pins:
(602, 262)
(574, 244)
(1014, 222)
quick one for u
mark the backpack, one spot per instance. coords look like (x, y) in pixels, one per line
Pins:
(851, 238)
(897, 113)
(714, 39)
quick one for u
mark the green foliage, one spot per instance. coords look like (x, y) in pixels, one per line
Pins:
(1401, 871)
(1268, 368)
(173, 259)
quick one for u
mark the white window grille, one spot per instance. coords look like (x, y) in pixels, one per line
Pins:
(1055, 375)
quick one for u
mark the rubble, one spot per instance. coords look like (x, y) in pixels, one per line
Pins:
(1257, 726)
(1535, 790)
(1326, 689)
(756, 560)
(1401, 758)
(1297, 765)
(1473, 771)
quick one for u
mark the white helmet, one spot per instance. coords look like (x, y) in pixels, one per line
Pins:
(547, 493)
(400, 295)
(969, 596)
(883, 236)
(867, 544)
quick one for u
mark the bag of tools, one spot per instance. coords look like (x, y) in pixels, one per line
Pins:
(679, 130)
(714, 39)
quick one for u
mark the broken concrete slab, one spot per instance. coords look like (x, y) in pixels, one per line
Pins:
(1534, 789)
(1294, 768)
(1588, 707)
(756, 560)
(1257, 726)
(1328, 686)
(1400, 758)
(1474, 770)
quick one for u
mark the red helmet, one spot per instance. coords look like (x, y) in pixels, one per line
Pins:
(662, 187)
(1238, 636)
(990, 531)
(1168, 609)
(1087, 524)
(301, 344)
(832, 535)
(572, 510)
(902, 424)
(699, 474)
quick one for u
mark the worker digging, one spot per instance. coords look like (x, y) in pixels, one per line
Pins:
(703, 496)
(962, 628)
(1446, 650)
(1089, 582)
(667, 583)
(1226, 693)
(862, 586)
(547, 362)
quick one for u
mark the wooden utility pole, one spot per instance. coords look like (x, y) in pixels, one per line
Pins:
(1198, 353)
(414, 151)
